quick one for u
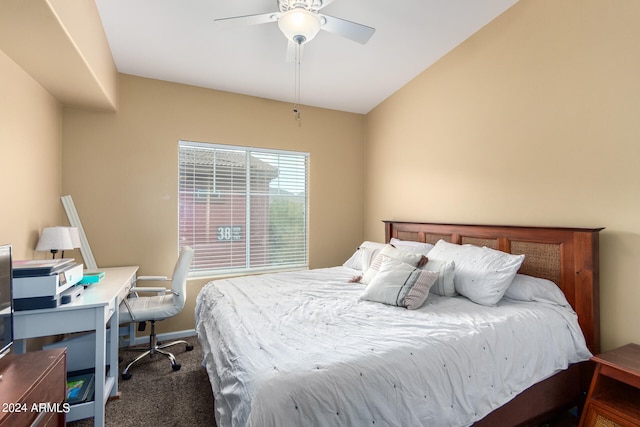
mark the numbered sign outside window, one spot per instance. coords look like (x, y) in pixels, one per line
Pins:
(227, 233)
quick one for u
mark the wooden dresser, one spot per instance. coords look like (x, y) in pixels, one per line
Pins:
(33, 389)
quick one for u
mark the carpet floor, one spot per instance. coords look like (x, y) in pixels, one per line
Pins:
(157, 396)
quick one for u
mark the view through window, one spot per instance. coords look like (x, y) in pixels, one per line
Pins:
(242, 209)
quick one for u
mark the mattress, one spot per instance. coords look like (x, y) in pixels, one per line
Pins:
(302, 349)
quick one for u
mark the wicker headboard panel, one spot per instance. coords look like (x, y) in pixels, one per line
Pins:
(567, 256)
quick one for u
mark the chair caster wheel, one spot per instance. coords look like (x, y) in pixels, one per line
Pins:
(189, 347)
(176, 367)
(126, 376)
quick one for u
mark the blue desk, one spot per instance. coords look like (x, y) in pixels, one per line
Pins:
(95, 310)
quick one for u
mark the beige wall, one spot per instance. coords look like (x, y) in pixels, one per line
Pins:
(121, 170)
(30, 160)
(62, 45)
(531, 121)
(30, 163)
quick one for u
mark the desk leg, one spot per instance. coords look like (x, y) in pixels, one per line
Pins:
(114, 325)
(99, 382)
(20, 346)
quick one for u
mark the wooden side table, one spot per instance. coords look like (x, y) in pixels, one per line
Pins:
(614, 394)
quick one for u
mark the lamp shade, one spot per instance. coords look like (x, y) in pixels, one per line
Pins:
(75, 236)
(58, 239)
(299, 25)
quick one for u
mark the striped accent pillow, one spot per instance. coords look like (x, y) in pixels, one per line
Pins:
(400, 284)
(363, 256)
(389, 252)
(445, 285)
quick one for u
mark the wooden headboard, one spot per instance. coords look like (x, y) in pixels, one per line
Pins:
(567, 256)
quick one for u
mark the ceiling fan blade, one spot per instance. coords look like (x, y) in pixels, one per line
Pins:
(351, 30)
(291, 51)
(263, 18)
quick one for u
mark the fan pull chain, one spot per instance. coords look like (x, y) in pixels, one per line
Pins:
(296, 109)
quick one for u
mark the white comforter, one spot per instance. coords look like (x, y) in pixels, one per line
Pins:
(300, 349)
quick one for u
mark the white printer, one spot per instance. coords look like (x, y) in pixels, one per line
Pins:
(43, 283)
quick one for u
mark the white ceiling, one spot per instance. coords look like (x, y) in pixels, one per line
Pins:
(178, 41)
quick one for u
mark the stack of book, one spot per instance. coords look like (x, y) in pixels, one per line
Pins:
(80, 386)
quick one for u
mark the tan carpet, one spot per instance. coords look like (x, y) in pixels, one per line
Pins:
(157, 396)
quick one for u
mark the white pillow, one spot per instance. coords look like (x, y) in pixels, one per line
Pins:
(400, 284)
(363, 256)
(390, 252)
(528, 288)
(481, 274)
(411, 246)
(373, 245)
(444, 285)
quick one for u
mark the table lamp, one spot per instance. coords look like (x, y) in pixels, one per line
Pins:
(56, 239)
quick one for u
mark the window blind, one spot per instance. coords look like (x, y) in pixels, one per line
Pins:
(242, 209)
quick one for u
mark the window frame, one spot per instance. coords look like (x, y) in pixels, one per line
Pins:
(212, 271)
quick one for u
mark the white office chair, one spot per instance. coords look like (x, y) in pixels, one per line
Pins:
(167, 303)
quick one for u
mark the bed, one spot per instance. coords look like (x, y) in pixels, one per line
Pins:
(303, 348)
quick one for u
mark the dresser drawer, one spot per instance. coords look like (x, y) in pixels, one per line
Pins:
(35, 389)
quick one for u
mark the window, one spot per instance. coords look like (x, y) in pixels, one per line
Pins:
(242, 209)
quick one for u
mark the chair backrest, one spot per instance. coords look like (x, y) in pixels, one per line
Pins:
(179, 277)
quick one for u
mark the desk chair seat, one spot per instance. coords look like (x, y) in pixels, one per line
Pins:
(148, 308)
(166, 303)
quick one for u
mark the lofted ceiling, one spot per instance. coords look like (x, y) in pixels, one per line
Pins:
(179, 41)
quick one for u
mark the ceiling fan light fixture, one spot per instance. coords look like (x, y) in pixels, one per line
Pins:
(299, 25)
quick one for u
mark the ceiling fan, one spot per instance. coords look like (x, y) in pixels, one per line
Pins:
(300, 21)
